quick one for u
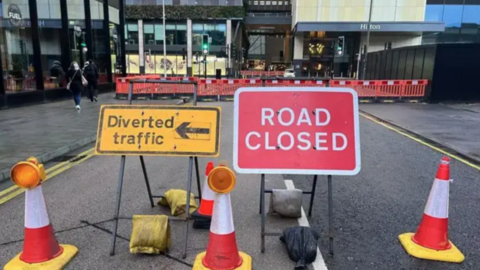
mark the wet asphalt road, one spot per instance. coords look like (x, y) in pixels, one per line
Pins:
(371, 209)
(387, 198)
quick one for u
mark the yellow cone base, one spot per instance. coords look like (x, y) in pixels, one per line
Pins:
(450, 255)
(246, 264)
(57, 263)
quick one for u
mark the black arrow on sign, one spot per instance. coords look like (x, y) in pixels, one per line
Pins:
(183, 130)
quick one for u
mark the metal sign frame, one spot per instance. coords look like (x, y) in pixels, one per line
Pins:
(263, 190)
(191, 162)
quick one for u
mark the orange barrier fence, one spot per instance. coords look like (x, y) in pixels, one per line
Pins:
(228, 87)
(385, 88)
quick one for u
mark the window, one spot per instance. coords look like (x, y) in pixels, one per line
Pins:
(148, 33)
(471, 14)
(170, 33)
(17, 55)
(452, 16)
(131, 33)
(434, 13)
(158, 33)
(197, 31)
(181, 34)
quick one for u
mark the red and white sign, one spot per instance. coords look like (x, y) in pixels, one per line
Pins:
(296, 130)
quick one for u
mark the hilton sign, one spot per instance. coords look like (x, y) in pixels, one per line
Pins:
(364, 26)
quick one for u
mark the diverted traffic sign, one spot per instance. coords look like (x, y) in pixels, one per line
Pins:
(158, 130)
(292, 130)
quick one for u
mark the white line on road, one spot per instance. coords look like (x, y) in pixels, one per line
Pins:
(319, 263)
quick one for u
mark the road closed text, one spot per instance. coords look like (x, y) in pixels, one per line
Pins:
(296, 130)
(303, 140)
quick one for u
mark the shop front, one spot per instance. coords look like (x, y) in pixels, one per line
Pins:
(36, 35)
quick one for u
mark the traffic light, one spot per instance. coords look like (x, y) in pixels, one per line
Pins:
(340, 45)
(205, 44)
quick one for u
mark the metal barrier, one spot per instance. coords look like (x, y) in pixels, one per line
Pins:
(260, 73)
(224, 89)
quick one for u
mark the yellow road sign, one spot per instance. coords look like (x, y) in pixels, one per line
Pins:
(158, 130)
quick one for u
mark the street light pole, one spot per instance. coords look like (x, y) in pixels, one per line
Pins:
(368, 41)
(164, 44)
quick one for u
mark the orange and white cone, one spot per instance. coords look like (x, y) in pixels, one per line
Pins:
(222, 251)
(40, 249)
(203, 215)
(431, 239)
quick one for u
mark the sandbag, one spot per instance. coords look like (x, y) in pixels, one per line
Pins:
(176, 199)
(301, 245)
(150, 234)
(286, 202)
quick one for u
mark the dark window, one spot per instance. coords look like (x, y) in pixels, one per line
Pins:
(428, 63)
(197, 31)
(395, 60)
(132, 33)
(409, 64)
(388, 68)
(170, 33)
(149, 33)
(181, 33)
(418, 64)
(401, 64)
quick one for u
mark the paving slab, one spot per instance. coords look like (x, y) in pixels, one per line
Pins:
(50, 130)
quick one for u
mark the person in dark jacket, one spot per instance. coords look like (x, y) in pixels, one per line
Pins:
(91, 74)
(57, 73)
(75, 78)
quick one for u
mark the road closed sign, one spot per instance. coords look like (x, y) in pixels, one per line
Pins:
(158, 130)
(292, 130)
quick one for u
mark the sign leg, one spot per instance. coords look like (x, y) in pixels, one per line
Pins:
(330, 214)
(199, 185)
(312, 195)
(262, 210)
(147, 182)
(187, 208)
(117, 209)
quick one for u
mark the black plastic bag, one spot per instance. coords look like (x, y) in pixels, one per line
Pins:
(301, 245)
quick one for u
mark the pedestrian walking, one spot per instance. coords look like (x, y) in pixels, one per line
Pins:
(91, 73)
(57, 73)
(75, 84)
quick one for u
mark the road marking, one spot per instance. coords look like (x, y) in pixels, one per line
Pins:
(319, 263)
(84, 153)
(464, 161)
(14, 191)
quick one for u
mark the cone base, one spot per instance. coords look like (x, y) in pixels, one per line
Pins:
(246, 264)
(57, 263)
(450, 255)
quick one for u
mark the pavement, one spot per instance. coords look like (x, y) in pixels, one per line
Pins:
(371, 209)
(49, 130)
(454, 126)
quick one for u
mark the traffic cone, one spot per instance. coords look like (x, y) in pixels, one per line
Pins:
(431, 239)
(203, 215)
(222, 251)
(40, 248)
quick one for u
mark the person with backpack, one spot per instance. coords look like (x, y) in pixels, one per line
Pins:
(91, 73)
(57, 73)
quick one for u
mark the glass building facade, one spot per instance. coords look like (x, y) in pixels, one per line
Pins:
(461, 18)
(36, 33)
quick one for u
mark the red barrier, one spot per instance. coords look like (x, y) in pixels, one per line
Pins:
(209, 87)
(227, 87)
(415, 88)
